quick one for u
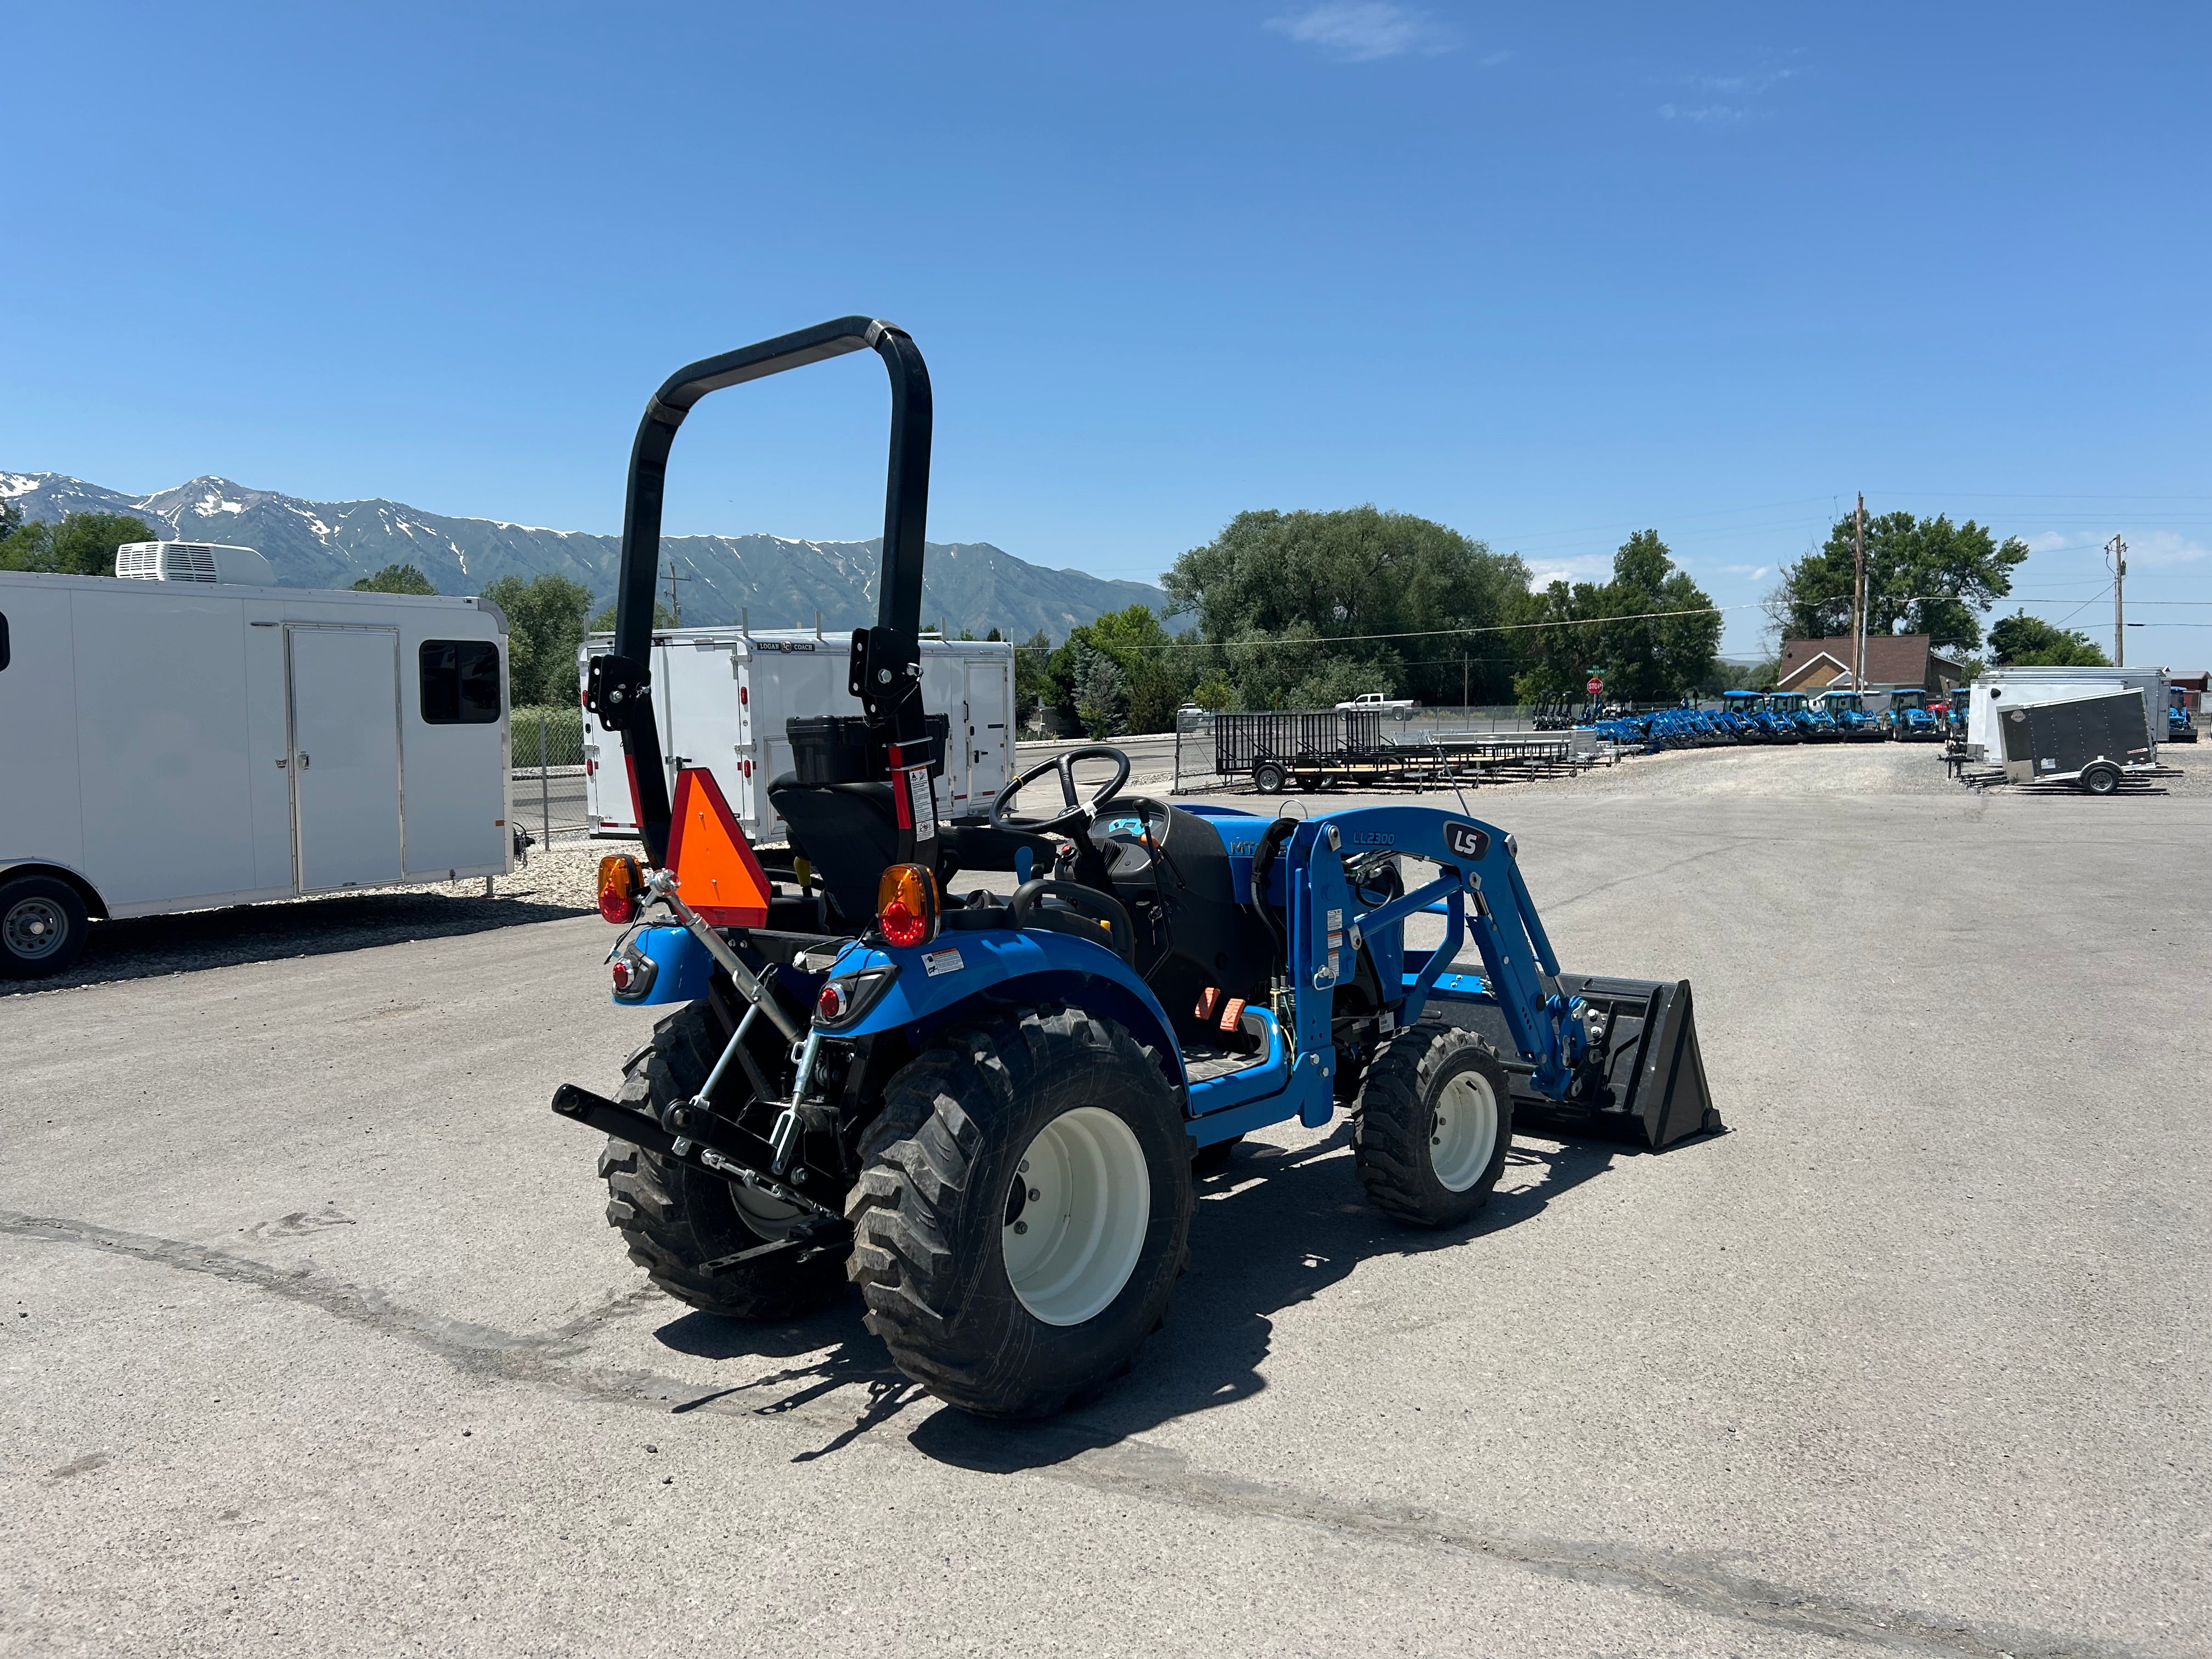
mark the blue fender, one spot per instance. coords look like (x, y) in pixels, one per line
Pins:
(945, 981)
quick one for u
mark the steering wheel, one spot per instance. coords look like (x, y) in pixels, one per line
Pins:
(1080, 811)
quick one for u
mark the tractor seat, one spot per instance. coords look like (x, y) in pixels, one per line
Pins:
(849, 833)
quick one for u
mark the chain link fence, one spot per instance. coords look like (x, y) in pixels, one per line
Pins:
(547, 792)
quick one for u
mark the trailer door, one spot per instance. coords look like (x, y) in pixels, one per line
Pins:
(988, 736)
(343, 707)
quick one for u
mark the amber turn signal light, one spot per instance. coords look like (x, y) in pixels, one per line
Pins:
(906, 905)
(620, 884)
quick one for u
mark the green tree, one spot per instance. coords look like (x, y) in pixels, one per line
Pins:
(1032, 674)
(396, 579)
(1650, 632)
(1147, 684)
(544, 630)
(1101, 694)
(81, 545)
(604, 622)
(1214, 691)
(1923, 576)
(1288, 596)
(2020, 641)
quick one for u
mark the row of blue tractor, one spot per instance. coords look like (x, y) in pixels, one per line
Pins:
(1774, 717)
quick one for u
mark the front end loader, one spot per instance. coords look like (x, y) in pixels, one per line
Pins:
(989, 1110)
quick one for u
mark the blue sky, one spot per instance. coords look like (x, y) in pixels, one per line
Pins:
(1547, 276)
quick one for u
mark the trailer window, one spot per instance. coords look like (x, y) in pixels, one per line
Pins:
(460, 681)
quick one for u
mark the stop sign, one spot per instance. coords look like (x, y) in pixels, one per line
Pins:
(1595, 686)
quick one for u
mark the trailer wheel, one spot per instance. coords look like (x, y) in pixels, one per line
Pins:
(2101, 780)
(1023, 1212)
(676, 1219)
(1268, 778)
(1432, 1124)
(43, 926)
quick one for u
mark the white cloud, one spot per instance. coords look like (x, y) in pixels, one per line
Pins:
(1754, 83)
(1753, 571)
(1360, 31)
(1588, 567)
(2157, 549)
(1716, 114)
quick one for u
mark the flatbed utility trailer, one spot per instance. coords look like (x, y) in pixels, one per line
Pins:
(987, 1110)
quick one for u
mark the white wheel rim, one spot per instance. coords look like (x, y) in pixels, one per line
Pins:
(771, 1218)
(1464, 1133)
(1076, 1216)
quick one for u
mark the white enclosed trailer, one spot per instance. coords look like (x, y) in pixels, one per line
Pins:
(2000, 689)
(183, 743)
(720, 696)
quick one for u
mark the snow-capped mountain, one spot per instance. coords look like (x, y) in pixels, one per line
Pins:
(780, 583)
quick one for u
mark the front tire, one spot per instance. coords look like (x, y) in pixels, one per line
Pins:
(675, 1218)
(1434, 1121)
(2100, 779)
(1268, 778)
(1023, 1212)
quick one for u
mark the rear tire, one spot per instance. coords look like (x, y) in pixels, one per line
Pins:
(43, 927)
(1268, 778)
(675, 1219)
(988, 1312)
(1434, 1121)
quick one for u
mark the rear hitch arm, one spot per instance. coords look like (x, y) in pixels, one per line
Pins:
(581, 1105)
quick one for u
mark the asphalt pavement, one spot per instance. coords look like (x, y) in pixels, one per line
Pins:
(312, 1340)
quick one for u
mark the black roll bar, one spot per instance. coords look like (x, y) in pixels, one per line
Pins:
(886, 673)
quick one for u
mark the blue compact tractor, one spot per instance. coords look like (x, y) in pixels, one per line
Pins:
(1760, 725)
(1791, 709)
(1909, 720)
(974, 1067)
(1847, 712)
(2180, 725)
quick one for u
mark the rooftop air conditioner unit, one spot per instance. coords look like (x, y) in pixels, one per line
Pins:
(193, 562)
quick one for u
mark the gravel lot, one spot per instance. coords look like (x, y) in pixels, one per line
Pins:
(312, 1340)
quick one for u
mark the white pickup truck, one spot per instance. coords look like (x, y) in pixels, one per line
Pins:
(1380, 702)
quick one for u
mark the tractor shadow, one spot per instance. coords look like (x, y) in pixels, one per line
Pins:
(1280, 1226)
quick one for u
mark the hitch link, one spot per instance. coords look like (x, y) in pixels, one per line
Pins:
(784, 1137)
(662, 884)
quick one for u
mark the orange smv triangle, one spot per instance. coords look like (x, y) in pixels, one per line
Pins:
(716, 874)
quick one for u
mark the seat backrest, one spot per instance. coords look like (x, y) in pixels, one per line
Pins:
(847, 831)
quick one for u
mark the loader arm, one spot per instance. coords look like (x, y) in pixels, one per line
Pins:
(886, 659)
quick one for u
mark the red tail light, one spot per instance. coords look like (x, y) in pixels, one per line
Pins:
(620, 884)
(906, 905)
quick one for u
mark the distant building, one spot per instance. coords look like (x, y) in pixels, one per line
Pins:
(1892, 660)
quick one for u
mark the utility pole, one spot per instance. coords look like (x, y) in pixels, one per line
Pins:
(675, 605)
(2117, 550)
(1463, 685)
(1859, 600)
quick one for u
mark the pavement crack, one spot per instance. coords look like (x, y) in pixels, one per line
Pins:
(1688, 1578)
(1552, 904)
(483, 1349)
(1070, 1451)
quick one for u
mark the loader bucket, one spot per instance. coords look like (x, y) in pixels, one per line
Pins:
(1656, 1092)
